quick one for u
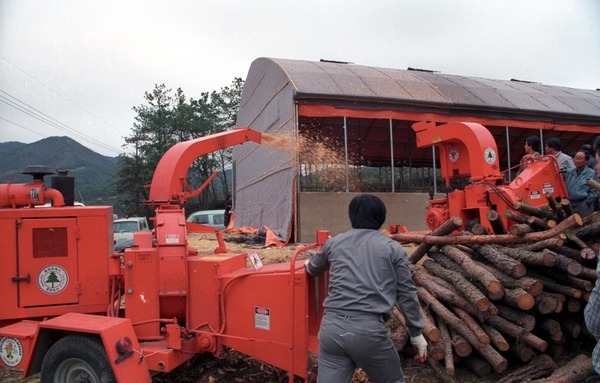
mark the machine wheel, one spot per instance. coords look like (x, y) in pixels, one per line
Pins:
(77, 359)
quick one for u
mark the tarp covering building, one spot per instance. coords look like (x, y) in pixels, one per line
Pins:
(367, 113)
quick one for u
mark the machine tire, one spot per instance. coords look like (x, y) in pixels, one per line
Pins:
(77, 358)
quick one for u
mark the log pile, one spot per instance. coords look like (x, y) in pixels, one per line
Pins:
(510, 299)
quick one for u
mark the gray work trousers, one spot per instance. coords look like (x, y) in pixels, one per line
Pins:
(348, 340)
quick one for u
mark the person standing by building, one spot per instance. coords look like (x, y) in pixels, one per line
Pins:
(227, 213)
(591, 312)
(581, 195)
(368, 275)
(532, 150)
(554, 147)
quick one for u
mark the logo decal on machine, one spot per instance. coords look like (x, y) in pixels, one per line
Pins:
(489, 155)
(453, 155)
(11, 351)
(52, 279)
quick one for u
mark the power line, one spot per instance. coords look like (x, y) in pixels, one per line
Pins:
(81, 135)
(41, 116)
(24, 127)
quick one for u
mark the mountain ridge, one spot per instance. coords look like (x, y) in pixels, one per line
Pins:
(94, 173)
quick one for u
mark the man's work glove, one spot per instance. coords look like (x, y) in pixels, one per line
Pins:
(420, 345)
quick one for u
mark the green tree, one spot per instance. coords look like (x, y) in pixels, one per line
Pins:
(226, 104)
(168, 118)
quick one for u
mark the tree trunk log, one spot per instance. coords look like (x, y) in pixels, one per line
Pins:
(589, 231)
(578, 369)
(503, 262)
(518, 298)
(532, 286)
(529, 257)
(430, 330)
(517, 332)
(518, 218)
(540, 212)
(540, 224)
(435, 350)
(545, 303)
(541, 245)
(446, 340)
(551, 328)
(473, 325)
(525, 320)
(496, 222)
(572, 221)
(553, 286)
(441, 374)
(452, 224)
(567, 264)
(571, 328)
(496, 337)
(478, 366)
(567, 207)
(520, 229)
(521, 351)
(479, 229)
(439, 288)
(487, 279)
(461, 347)
(538, 367)
(467, 289)
(487, 351)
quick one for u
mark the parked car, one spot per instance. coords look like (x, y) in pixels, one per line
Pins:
(124, 228)
(214, 218)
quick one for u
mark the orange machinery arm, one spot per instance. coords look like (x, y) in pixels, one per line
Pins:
(467, 149)
(169, 181)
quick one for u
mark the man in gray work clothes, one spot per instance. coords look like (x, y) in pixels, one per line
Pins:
(368, 274)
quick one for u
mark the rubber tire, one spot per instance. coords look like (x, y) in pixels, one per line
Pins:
(73, 355)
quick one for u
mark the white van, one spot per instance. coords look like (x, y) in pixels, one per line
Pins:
(214, 218)
(124, 228)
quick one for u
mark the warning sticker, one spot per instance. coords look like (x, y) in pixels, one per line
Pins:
(11, 351)
(262, 318)
(255, 260)
(535, 194)
(548, 187)
(172, 238)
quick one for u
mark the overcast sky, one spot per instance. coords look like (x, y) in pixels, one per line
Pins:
(76, 68)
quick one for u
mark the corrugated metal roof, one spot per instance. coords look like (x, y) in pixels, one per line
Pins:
(395, 86)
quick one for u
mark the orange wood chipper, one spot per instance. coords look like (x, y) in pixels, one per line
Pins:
(468, 152)
(75, 310)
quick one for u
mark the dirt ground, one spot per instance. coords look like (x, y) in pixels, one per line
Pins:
(236, 367)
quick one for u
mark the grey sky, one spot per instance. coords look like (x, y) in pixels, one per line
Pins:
(82, 65)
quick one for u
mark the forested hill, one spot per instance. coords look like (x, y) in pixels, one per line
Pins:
(94, 173)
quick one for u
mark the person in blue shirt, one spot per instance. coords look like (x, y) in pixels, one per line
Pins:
(368, 274)
(592, 309)
(554, 147)
(581, 195)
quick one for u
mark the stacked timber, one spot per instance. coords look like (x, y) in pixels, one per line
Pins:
(509, 302)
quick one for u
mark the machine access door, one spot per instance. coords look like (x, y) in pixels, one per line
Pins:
(47, 254)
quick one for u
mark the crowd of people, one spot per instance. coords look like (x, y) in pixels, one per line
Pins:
(577, 168)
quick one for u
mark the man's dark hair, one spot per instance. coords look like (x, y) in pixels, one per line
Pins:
(366, 212)
(534, 142)
(554, 143)
(585, 153)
